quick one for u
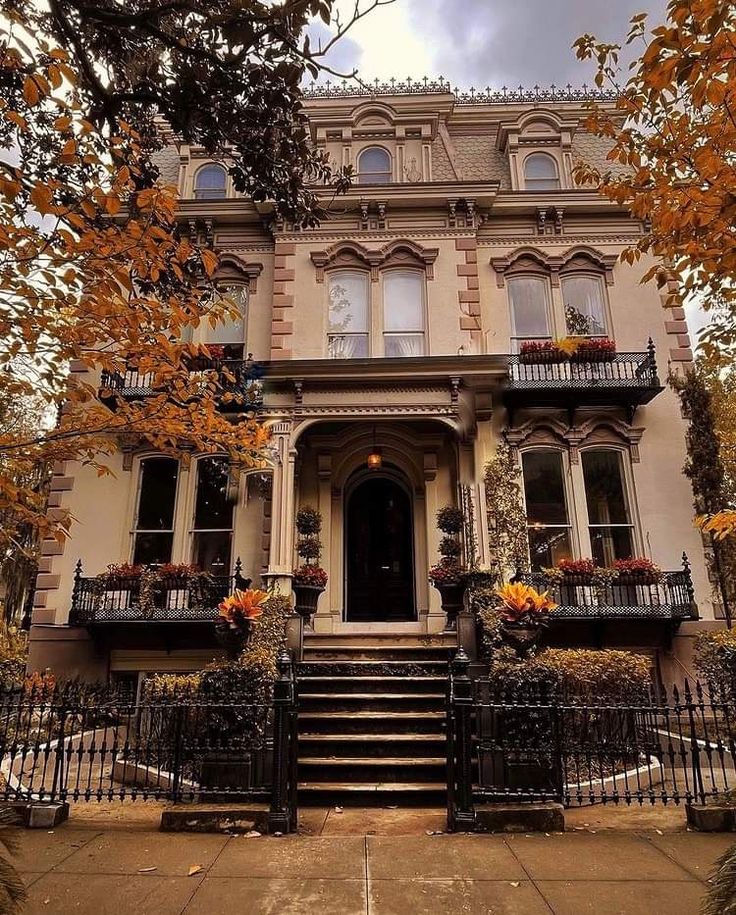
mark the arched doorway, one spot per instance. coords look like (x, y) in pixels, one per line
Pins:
(379, 551)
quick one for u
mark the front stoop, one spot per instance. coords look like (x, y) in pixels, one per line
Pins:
(547, 817)
(372, 720)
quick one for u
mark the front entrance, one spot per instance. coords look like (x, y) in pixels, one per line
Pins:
(379, 552)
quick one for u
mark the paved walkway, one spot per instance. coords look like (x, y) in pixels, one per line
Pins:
(125, 867)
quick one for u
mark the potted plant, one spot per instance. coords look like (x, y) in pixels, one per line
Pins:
(576, 571)
(309, 579)
(524, 614)
(119, 586)
(541, 352)
(636, 571)
(594, 349)
(448, 575)
(236, 617)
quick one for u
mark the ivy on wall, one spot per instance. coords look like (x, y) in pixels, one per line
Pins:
(507, 534)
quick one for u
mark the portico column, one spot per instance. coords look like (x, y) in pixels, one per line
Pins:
(281, 551)
(323, 620)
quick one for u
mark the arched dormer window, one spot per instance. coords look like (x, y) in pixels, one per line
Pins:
(209, 183)
(374, 166)
(541, 173)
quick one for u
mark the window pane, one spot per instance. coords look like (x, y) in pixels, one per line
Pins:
(348, 309)
(152, 549)
(210, 182)
(540, 166)
(230, 331)
(403, 301)
(528, 297)
(604, 487)
(609, 543)
(374, 167)
(547, 546)
(353, 346)
(157, 494)
(584, 310)
(211, 551)
(404, 344)
(544, 487)
(212, 508)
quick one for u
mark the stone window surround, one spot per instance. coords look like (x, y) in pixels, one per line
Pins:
(190, 166)
(520, 139)
(594, 434)
(397, 255)
(580, 260)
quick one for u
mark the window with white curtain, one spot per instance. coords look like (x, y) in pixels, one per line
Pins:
(529, 309)
(230, 333)
(585, 310)
(213, 517)
(609, 518)
(548, 518)
(374, 166)
(347, 319)
(210, 183)
(541, 173)
(403, 313)
(153, 534)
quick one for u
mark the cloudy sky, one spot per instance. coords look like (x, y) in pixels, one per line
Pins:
(484, 42)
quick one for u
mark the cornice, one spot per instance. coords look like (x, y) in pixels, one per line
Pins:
(536, 241)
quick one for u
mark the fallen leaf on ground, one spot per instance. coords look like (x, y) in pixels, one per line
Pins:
(515, 883)
(194, 869)
(146, 870)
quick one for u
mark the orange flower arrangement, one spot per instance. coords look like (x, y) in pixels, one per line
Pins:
(242, 608)
(524, 605)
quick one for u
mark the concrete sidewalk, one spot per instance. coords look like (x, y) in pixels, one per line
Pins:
(126, 867)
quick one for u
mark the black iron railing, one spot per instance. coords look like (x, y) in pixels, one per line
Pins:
(530, 744)
(671, 597)
(239, 383)
(165, 598)
(626, 370)
(77, 742)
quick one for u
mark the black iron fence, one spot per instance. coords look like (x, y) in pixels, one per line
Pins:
(669, 596)
(81, 743)
(156, 598)
(535, 744)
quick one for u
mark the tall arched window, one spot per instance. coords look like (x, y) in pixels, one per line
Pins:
(540, 173)
(153, 534)
(374, 166)
(213, 517)
(529, 309)
(209, 183)
(230, 333)
(585, 311)
(403, 313)
(609, 517)
(547, 515)
(347, 318)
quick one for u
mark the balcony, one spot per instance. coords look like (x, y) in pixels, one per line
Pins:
(128, 611)
(239, 379)
(623, 612)
(628, 380)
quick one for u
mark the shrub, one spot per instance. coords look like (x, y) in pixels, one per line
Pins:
(597, 675)
(309, 547)
(13, 655)
(450, 520)
(308, 521)
(715, 659)
(450, 546)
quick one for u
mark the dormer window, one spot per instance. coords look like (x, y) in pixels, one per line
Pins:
(541, 173)
(374, 166)
(209, 183)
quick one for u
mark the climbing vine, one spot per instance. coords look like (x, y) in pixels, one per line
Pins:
(507, 534)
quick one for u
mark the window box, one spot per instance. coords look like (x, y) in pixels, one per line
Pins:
(541, 354)
(598, 350)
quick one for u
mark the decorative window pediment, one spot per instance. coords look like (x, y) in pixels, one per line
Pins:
(233, 269)
(579, 259)
(352, 254)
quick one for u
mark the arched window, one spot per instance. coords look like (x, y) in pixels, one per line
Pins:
(153, 534)
(209, 183)
(347, 318)
(230, 333)
(374, 166)
(547, 515)
(585, 311)
(213, 517)
(540, 173)
(609, 517)
(403, 313)
(529, 309)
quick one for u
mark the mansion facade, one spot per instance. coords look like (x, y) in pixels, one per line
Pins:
(413, 327)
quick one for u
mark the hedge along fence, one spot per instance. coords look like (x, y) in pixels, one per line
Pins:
(715, 659)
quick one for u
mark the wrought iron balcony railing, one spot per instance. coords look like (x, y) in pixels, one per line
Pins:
(628, 380)
(166, 599)
(628, 598)
(240, 378)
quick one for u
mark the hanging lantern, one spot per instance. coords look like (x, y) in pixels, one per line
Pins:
(375, 458)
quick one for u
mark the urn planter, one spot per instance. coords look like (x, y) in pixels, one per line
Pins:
(452, 600)
(521, 636)
(232, 640)
(307, 598)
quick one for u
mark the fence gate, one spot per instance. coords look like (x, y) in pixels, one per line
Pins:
(75, 742)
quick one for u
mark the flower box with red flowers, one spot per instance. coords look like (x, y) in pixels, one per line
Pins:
(636, 571)
(595, 349)
(577, 571)
(541, 352)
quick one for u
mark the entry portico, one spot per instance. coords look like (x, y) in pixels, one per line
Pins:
(430, 426)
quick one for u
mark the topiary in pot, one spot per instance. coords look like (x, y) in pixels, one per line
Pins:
(309, 579)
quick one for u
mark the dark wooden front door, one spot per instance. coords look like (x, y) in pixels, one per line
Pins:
(380, 567)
